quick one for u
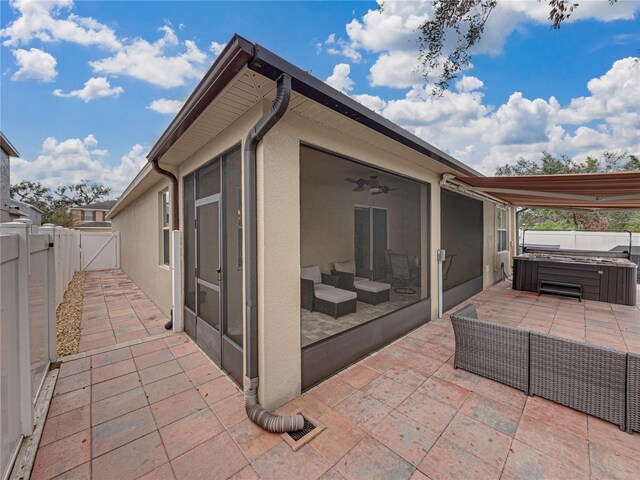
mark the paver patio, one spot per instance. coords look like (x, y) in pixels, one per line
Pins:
(160, 409)
(115, 310)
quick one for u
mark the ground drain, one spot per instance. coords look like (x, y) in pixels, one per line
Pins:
(309, 431)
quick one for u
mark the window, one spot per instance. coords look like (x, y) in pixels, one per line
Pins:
(360, 231)
(501, 229)
(165, 228)
(87, 215)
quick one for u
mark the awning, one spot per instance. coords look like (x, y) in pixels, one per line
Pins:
(619, 190)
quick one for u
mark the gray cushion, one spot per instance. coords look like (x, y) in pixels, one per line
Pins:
(335, 295)
(369, 286)
(311, 273)
(321, 286)
(347, 267)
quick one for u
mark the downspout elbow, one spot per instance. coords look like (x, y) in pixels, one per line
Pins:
(173, 192)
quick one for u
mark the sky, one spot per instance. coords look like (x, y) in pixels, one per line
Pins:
(86, 88)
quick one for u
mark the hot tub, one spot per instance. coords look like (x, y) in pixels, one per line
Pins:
(604, 279)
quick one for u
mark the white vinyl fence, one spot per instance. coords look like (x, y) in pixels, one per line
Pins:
(36, 266)
(576, 240)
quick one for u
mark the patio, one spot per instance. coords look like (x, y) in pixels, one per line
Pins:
(154, 406)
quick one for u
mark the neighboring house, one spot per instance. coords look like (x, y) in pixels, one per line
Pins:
(335, 187)
(7, 150)
(24, 210)
(93, 217)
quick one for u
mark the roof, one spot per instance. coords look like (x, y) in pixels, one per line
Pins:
(244, 75)
(13, 201)
(619, 190)
(106, 205)
(93, 224)
(240, 52)
(7, 147)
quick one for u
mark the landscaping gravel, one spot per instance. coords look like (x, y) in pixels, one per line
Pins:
(68, 317)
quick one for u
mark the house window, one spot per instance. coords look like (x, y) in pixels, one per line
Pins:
(88, 215)
(501, 229)
(165, 228)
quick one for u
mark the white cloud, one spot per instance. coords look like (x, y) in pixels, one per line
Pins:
(396, 69)
(341, 47)
(217, 48)
(96, 87)
(391, 34)
(165, 105)
(75, 159)
(372, 102)
(152, 63)
(340, 79)
(485, 137)
(43, 21)
(34, 64)
(469, 84)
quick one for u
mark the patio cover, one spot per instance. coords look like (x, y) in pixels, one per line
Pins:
(619, 190)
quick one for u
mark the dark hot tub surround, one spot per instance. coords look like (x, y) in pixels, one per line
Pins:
(600, 278)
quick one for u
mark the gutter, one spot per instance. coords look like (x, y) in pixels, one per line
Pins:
(258, 415)
(272, 66)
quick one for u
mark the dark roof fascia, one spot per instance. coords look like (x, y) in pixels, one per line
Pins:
(231, 60)
(272, 66)
(5, 144)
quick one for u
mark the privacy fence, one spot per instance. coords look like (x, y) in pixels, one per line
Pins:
(36, 266)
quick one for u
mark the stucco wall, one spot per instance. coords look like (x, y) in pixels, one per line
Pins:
(139, 227)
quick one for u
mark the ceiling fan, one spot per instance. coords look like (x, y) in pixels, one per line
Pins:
(371, 184)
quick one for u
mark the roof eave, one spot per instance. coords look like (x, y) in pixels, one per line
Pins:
(7, 147)
(231, 60)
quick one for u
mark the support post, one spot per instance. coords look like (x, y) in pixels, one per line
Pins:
(441, 258)
(176, 283)
(22, 230)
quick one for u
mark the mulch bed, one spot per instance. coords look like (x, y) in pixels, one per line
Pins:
(68, 317)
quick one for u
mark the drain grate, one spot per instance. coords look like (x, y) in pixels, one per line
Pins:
(298, 434)
(308, 432)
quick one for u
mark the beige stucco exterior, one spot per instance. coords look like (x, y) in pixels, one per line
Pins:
(279, 226)
(140, 246)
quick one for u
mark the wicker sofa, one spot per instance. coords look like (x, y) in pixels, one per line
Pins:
(319, 292)
(368, 291)
(595, 380)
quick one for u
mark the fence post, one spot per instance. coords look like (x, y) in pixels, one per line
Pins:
(49, 229)
(26, 401)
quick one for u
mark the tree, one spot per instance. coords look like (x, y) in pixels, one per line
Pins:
(465, 19)
(552, 219)
(55, 204)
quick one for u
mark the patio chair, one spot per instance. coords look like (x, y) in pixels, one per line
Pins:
(401, 274)
(368, 291)
(494, 351)
(319, 293)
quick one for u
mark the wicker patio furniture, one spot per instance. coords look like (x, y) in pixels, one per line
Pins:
(585, 377)
(401, 273)
(633, 392)
(494, 351)
(319, 293)
(368, 291)
(595, 380)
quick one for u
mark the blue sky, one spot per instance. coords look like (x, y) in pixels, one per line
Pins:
(66, 132)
